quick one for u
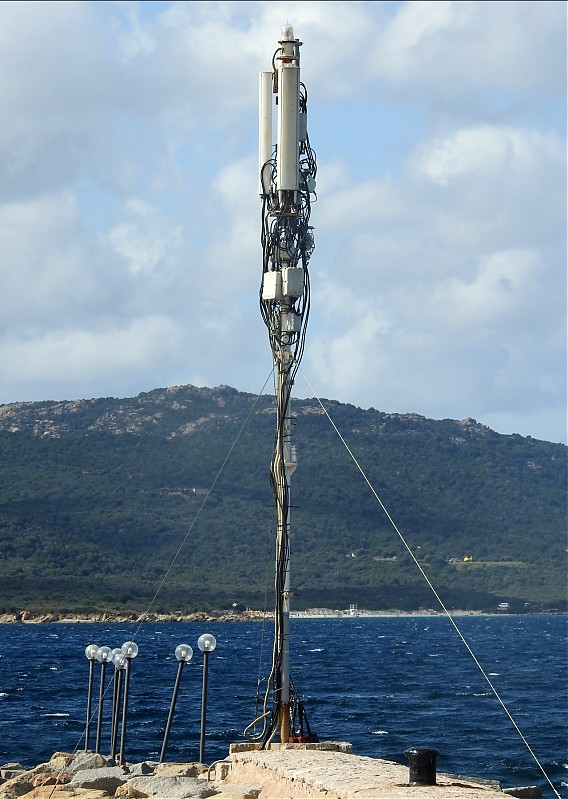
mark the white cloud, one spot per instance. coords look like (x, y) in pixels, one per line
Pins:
(147, 240)
(450, 48)
(46, 270)
(505, 289)
(129, 216)
(445, 284)
(75, 354)
(487, 151)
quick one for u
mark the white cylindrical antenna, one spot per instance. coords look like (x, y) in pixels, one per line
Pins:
(264, 132)
(288, 112)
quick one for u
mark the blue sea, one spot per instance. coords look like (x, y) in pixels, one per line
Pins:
(383, 683)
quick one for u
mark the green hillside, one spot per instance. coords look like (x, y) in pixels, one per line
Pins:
(97, 497)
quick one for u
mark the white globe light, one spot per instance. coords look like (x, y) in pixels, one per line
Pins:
(91, 651)
(184, 652)
(130, 649)
(104, 654)
(206, 642)
(118, 658)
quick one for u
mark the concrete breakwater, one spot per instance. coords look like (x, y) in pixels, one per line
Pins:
(291, 771)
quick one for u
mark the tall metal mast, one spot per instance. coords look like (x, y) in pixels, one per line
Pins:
(287, 172)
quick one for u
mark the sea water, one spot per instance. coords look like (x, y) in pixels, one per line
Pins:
(382, 683)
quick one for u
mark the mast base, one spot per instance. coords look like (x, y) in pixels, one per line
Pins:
(285, 722)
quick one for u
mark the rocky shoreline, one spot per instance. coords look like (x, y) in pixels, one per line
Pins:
(92, 776)
(31, 617)
(110, 617)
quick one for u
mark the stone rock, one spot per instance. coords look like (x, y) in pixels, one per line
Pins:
(49, 791)
(88, 760)
(22, 782)
(221, 770)
(142, 769)
(51, 778)
(103, 779)
(238, 791)
(170, 787)
(180, 769)
(130, 791)
(44, 779)
(528, 792)
(60, 760)
(13, 788)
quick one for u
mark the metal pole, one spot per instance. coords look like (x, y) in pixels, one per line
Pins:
(285, 686)
(287, 467)
(124, 711)
(100, 716)
(286, 182)
(89, 702)
(115, 711)
(172, 708)
(203, 708)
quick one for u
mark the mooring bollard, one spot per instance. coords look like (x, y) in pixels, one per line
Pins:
(422, 763)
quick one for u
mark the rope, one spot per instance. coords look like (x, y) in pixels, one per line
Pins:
(439, 599)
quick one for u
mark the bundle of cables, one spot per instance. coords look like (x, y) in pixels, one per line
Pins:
(287, 241)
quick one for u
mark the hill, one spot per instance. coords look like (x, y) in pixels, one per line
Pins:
(98, 496)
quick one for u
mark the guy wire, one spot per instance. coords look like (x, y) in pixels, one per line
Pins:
(439, 599)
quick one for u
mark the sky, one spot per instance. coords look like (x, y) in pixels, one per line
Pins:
(130, 220)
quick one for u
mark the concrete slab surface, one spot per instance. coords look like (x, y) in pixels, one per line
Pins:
(313, 774)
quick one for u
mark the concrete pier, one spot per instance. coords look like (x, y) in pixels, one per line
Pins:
(314, 771)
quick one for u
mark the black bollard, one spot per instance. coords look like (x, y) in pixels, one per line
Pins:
(183, 654)
(90, 654)
(422, 763)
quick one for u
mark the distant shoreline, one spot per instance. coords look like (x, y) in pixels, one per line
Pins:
(29, 617)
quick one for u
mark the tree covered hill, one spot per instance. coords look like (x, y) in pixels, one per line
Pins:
(103, 501)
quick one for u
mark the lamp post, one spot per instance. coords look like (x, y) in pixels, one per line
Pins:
(206, 644)
(183, 654)
(103, 655)
(119, 661)
(90, 654)
(129, 650)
